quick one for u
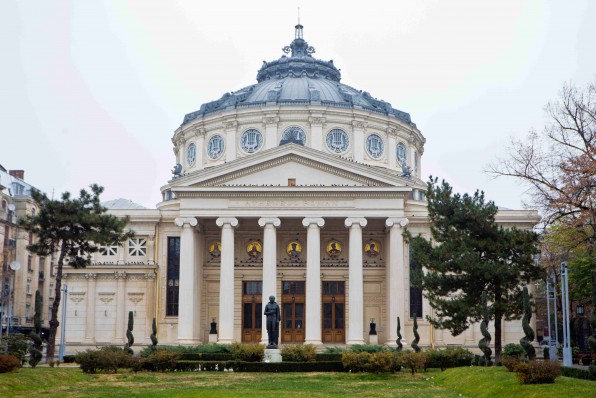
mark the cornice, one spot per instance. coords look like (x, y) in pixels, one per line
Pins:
(249, 192)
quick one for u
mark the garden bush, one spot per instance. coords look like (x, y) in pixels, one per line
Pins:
(9, 363)
(106, 359)
(334, 350)
(298, 353)
(201, 348)
(412, 360)
(450, 357)
(16, 345)
(206, 356)
(513, 350)
(537, 372)
(161, 361)
(248, 352)
(355, 361)
(69, 358)
(238, 366)
(376, 362)
(510, 362)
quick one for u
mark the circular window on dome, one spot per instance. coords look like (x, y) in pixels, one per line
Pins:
(401, 153)
(337, 141)
(191, 154)
(215, 146)
(293, 135)
(251, 141)
(374, 146)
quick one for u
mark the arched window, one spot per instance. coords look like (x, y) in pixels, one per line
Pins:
(293, 135)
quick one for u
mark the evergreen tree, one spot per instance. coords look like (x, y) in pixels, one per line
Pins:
(526, 341)
(73, 228)
(35, 354)
(129, 336)
(470, 254)
(416, 340)
(400, 346)
(154, 334)
(486, 337)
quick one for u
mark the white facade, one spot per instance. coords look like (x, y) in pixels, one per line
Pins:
(316, 222)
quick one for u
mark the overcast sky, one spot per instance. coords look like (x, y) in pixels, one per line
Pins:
(92, 91)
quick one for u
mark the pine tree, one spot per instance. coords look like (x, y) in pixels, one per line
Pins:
(73, 228)
(470, 254)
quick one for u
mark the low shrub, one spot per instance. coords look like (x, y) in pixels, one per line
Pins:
(161, 361)
(355, 361)
(513, 350)
(198, 349)
(9, 363)
(510, 362)
(537, 372)
(17, 345)
(206, 356)
(578, 373)
(69, 358)
(248, 352)
(450, 357)
(546, 353)
(298, 353)
(414, 361)
(106, 359)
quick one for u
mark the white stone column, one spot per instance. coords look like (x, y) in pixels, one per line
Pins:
(91, 304)
(226, 280)
(269, 224)
(397, 292)
(312, 332)
(188, 325)
(356, 280)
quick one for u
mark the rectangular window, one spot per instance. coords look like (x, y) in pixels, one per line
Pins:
(173, 276)
(415, 290)
(29, 264)
(28, 286)
(255, 288)
(109, 250)
(42, 263)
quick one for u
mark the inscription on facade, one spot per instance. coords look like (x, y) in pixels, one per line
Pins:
(292, 203)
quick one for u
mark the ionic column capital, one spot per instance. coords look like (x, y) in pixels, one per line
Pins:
(181, 221)
(354, 221)
(231, 221)
(264, 221)
(397, 222)
(308, 221)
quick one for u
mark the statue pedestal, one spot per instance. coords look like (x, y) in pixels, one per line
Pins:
(272, 355)
(373, 339)
(212, 338)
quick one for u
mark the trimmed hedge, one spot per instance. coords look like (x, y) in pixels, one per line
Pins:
(206, 356)
(201, 348)
(298, 353)
(238, 366)
(69, 358)
(327, 357)
(577, 373)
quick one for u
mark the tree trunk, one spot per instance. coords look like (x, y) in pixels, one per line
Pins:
(54, 323)
(498, 319)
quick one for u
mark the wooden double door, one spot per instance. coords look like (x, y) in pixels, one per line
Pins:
(252, 311)
(293, 312)
(333, 311)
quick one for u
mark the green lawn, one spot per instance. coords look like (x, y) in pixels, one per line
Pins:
(461, 382)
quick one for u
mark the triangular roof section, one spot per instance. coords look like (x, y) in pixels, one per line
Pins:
(273, 167)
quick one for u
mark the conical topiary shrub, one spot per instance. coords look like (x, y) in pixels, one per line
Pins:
(154, 334)
(400, 346)
(129, 336)
(526, 341)
(414, 344)
(486, 337)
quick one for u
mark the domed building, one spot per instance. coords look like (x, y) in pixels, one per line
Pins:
(298, 186)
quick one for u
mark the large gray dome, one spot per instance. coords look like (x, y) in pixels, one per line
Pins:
(299, 79)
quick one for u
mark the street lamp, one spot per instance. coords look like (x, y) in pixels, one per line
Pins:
(567, 356)
(579, 311)
(62, 338)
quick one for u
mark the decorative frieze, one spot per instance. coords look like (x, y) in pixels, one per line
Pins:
(77, 297)
(135, 298)
(106, 297)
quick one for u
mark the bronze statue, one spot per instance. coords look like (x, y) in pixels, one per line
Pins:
(273, 318)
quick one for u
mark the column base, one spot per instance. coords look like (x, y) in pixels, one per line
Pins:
(373, 339)
(313, 342)
(352, 342)
(212, 338)
(189, 341)
(225, 341)
(272, 355)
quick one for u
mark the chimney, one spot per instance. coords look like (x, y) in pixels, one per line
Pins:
(18, 174)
